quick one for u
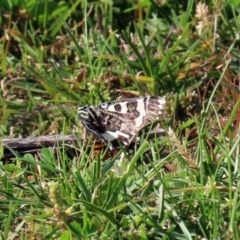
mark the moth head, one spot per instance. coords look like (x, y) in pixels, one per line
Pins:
(90, 118)
(88, 114)
(83, 112)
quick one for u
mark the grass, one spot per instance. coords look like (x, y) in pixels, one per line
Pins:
(57, 57)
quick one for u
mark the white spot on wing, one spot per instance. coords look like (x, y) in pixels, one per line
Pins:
(162, 103)
(110, 135)
(141, 109)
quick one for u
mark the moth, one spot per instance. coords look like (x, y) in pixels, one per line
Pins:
(121, 120)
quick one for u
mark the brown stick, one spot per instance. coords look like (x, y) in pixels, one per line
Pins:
(42, 141)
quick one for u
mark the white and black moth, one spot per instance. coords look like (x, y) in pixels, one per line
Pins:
(121, 120)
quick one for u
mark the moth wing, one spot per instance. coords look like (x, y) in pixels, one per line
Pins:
(124, 119)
